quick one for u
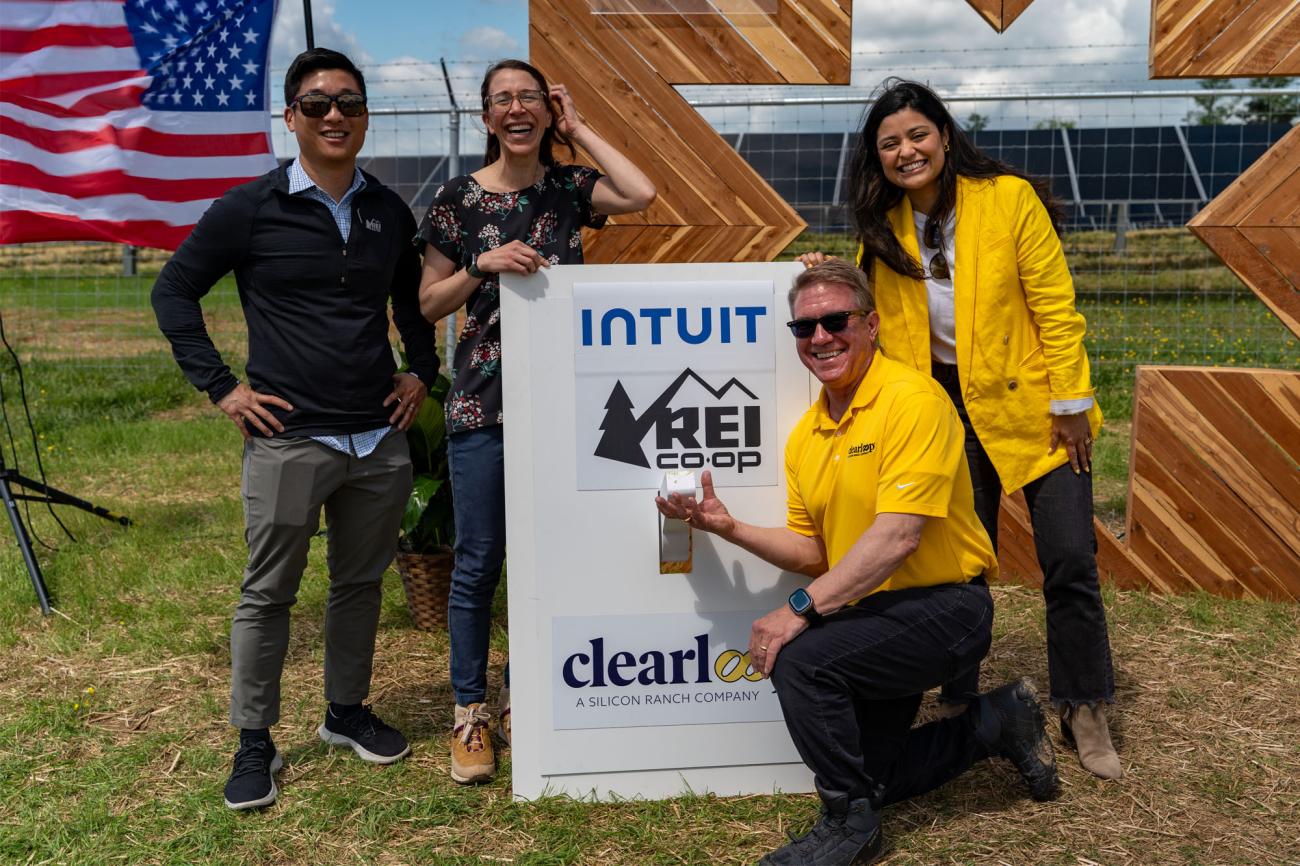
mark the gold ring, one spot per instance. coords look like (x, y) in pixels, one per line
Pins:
(763, 647)
(687, 519)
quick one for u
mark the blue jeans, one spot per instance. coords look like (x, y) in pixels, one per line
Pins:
(479, 498)
(1060, 512)
(851, 685)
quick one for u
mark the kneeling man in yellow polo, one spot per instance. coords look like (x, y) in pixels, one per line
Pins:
(881, 515)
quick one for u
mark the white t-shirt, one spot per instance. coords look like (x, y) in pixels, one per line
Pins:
(943, 322)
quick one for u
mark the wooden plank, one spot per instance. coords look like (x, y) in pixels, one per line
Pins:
(1235, 424)
(610, 62)
(1279, 248)
(1182, 557)
(1277, 208)
(1255, 271)
(681, 54)
(1243, 45)
(1246, 386)
(1212, 514)
(1179, 28)
(1145, 547)
(1216, 449)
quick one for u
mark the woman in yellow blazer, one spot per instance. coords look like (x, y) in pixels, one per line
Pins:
(971, 283)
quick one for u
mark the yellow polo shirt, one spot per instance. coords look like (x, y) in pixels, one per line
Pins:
(897, 449)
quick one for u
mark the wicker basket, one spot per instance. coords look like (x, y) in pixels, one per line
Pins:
(426, 577)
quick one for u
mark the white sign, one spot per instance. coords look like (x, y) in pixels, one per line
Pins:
(669, 669)
(626, 682)
(678, 376)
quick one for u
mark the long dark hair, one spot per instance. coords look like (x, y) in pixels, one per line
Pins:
(549, 137)
(872, 195)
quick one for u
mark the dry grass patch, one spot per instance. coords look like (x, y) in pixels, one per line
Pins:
(1206, 723)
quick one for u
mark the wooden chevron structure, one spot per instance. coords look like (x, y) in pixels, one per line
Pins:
(1254, 227)
(1214, 501)
(1222, 38)
(621, 69)
(999, 13)
(1214, 494)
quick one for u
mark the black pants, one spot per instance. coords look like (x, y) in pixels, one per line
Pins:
(1060, 511)
(850, 688)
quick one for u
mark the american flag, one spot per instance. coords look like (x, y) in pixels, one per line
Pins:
(122, 121)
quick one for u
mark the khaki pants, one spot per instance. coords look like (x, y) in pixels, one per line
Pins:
(286, 481)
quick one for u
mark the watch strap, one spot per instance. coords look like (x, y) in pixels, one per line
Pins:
(473, 270)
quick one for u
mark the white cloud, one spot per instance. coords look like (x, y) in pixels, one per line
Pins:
(289, 36)
(487, 43)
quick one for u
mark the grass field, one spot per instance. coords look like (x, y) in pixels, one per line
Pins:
(114, 748)
(1166, 300)
(114, 745)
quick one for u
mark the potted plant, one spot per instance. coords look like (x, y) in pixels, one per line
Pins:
(424, 556)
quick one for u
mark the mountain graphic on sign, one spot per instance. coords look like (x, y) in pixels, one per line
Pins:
(623, 430)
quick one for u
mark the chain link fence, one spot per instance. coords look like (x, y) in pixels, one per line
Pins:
(1131, 168)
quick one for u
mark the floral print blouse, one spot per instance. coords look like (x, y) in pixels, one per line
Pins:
(465, 220)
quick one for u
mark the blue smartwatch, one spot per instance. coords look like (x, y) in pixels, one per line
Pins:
(802, 604)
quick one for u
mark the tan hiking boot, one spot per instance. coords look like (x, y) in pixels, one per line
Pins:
(1086, 729)
(503, 716)
(472, 760)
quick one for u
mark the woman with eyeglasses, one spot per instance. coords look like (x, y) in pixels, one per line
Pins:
(521, 211)
(972, 285)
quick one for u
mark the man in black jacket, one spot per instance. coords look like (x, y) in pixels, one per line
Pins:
(317, 248)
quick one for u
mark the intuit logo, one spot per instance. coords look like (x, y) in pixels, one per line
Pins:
(620, 326)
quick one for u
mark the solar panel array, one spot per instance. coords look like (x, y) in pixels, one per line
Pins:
(1146, 176)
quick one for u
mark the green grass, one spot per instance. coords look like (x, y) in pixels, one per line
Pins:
(114, 745)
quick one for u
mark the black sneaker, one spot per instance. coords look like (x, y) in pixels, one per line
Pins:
(252, 782)
(366, 733)
(852, 838)
(1010, 723)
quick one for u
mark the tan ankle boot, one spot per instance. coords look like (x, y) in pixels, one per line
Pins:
(472, 760)
(1086, 729)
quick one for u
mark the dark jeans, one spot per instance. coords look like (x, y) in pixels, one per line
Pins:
(479, 500)
(1060, 511)
(850, 688)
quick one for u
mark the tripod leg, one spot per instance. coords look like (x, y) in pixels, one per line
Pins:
(25, 545)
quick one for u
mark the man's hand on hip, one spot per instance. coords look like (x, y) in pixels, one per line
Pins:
(408, 393)
(246, 406)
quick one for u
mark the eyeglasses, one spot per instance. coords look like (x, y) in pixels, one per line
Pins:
(832, 323)
(527, 98)
(939, 269)
(318, 104)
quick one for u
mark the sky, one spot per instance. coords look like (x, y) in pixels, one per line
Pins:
(943, 41)
(1055, 46)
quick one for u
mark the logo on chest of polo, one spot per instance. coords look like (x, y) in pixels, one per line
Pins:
(861, 449)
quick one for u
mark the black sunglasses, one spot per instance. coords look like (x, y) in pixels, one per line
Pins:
(318, 104)
(832, 323)
(939, 266)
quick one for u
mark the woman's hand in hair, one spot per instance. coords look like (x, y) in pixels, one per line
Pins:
(567, 119)
(814, 258)
(515, 257)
